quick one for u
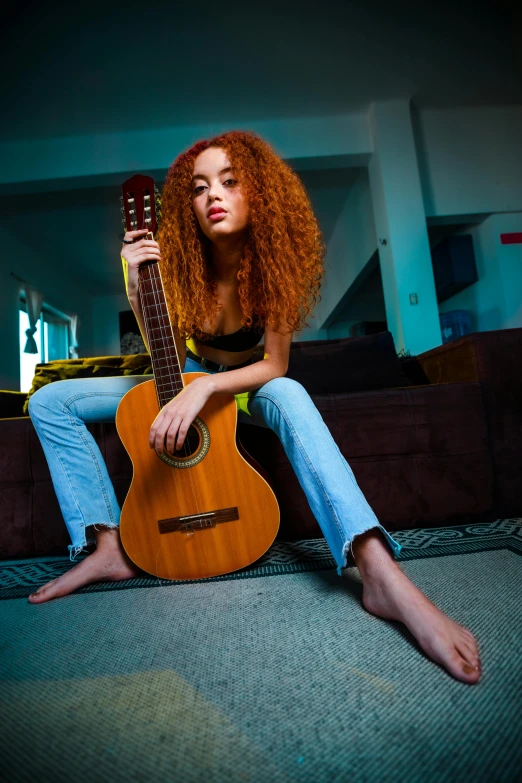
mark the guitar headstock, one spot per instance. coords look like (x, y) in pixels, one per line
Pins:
(140, 204)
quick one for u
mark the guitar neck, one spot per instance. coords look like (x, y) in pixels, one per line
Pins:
(162, 346)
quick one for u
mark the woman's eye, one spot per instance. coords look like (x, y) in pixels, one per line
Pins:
(199, 187)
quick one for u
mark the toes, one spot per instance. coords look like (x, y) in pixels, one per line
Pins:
(462, 670)
(38, 597)
(466, 640)
(468, 634)
(468, 652)
(42, 593)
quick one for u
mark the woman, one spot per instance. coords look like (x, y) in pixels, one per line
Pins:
(241, 254)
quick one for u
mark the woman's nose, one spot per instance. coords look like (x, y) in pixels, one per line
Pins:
(213, 193)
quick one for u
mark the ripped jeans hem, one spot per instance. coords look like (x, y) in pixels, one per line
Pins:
(88, 539)
(348, 547)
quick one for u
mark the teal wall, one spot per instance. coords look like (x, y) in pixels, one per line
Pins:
(495, 300)
(22, 260)
(469, 165)
(384, 173)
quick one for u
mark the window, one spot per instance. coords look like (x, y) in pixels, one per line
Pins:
(51, 338)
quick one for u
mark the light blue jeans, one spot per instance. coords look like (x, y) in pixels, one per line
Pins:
(60, 411)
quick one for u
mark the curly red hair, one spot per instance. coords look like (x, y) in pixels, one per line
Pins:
(282, 265)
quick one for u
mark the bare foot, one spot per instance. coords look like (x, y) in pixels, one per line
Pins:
(388, 593)
(108, 563)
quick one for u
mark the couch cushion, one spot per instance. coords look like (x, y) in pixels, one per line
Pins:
(419, 454)
(347, 364)
(495, 359)
(322, 366)
(11, 404)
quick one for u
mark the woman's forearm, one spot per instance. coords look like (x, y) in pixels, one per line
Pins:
(245, 379)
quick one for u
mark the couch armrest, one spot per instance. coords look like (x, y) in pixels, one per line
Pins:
(452, 362)
(11, 404)
(480, 356)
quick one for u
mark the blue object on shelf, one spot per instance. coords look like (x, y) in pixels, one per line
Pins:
(454, 324)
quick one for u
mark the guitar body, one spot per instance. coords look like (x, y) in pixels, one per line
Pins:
(206, 512)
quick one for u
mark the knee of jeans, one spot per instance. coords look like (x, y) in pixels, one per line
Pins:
(284, 388)
(43, 399)
(35, 399)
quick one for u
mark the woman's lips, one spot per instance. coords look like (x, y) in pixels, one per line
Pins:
(217, 215)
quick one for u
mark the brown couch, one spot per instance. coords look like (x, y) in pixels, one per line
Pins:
(432, 440)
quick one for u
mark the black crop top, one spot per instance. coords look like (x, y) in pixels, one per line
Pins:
(241, 340)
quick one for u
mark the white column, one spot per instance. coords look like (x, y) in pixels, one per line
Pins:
(402, 236)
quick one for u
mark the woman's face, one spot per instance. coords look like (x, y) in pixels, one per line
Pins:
(215, 187)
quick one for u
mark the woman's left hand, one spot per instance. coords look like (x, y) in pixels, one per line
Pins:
(175, 418)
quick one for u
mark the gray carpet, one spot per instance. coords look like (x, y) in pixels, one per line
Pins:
(280, 678)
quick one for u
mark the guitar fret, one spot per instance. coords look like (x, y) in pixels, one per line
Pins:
(161, 367)
(170, 384)
(158, 357)
(166, 369)
(160, 339)
(162, 347)
(169, 363)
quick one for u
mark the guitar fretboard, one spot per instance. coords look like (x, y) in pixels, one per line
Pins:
(165, 361)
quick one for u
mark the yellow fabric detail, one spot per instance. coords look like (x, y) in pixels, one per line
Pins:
(242, 402)
(191, 345)
(241, 399)
(125, 273)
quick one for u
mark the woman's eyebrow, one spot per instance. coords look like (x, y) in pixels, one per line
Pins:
(202, 176)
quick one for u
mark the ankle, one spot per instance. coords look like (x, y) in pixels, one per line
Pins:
(371, 552)
(107, 537)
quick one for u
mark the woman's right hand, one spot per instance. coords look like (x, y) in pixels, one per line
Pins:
(141, 250)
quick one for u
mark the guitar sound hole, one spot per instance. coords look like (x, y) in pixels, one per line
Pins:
(190, 444)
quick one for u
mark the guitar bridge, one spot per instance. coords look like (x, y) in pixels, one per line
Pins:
(193, 522)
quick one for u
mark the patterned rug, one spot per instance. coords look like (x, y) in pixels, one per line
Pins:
(279, 679)
(18, 578)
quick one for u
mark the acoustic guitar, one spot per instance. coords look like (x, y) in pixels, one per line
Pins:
(207, 508)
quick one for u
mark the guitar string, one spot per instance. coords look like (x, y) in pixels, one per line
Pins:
(168, 325)
(165, 347)
(160, 394)
(158, 289)
(143, 292)
(147, 278)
